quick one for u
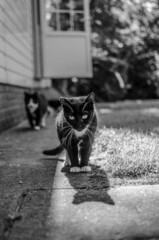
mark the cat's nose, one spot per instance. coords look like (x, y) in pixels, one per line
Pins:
(79, 124)
(79, 128)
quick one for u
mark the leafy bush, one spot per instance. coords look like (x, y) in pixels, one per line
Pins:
(128, 31)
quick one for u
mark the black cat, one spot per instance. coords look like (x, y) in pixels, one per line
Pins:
(37, 109)
(76, 125)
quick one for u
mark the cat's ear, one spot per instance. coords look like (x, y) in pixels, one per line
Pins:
(90, 97)
(89, 101)
(65, 104)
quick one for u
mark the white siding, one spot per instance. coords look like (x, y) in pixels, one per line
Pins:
(16, 47)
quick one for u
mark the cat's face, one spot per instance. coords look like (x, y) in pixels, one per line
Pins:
(31, 101)
(78, 111)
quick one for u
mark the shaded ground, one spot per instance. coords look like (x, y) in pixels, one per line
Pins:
(25, 182)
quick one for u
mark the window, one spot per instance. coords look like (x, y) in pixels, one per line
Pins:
(65, 15)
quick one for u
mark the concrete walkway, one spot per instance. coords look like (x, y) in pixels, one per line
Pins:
(40, 199)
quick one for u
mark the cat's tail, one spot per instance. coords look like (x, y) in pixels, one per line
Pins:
(55, 151)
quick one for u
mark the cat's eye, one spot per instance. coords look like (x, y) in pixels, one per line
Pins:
(71, 117)
(85, 116)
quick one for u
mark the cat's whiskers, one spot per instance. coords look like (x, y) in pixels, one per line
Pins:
(90, 133)
(67, 130)
(89, 137)
(92, 128)
(66, 127)
(91, 125)
(70, 138)
(68, 133)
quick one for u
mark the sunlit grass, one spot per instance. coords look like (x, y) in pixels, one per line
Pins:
(126, 154)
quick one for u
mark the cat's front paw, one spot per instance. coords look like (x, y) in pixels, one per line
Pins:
(37, 128)
(85, 169)
(75, 169)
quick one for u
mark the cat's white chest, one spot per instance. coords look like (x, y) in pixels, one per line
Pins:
(32, 106)
(80, 133)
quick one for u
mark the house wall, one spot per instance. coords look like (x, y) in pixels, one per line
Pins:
(11, 106)
(16, 59)
(16, 46)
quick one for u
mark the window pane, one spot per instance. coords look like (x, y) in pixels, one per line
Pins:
(78, 4)
(65, 22)
(79, 22)
(51, 5)
(65, 4)
(51, 20)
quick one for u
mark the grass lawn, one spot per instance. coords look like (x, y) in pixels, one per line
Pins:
(126, 146)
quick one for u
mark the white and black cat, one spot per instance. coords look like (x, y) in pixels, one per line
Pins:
(76, 125)
(37, 109)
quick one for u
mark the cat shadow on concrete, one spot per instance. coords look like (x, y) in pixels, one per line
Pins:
(90, 187)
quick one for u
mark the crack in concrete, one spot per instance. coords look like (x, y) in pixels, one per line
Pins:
(39, 189)
(13, 216)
